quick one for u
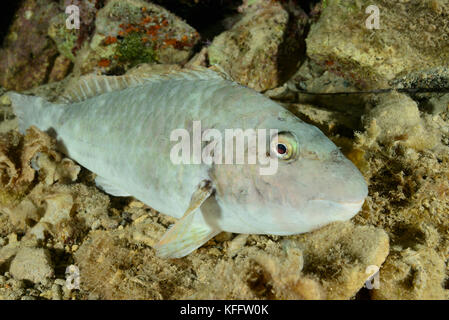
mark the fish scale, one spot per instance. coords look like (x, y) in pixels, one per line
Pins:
(119, 128)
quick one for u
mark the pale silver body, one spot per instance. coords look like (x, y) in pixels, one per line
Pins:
(124, 137)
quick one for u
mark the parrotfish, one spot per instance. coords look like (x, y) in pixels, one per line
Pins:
(119, 127)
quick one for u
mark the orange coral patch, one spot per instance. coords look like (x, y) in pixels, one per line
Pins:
(110, 40)
(104, 63)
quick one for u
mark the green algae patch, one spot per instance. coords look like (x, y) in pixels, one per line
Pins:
(133, 50)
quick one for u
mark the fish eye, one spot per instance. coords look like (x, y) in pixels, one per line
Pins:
(286, 146)
(281, 148)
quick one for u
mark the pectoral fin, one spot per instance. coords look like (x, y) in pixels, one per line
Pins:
(185, 235)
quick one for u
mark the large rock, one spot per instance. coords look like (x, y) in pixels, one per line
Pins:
(69, 41)
(417, 273)
(314, 84)
(412, 36)
(341, 257)
(263, 48)
(27, 55)
(130, 32)
(396, 120)
(33, 264)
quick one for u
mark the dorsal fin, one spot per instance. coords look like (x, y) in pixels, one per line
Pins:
(92, 85)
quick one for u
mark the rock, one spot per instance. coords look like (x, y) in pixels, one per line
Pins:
(285, 275)
(131, 32)
(199, 59)
(56, 292)
(33, 264)
(45, 212)
(51, 170)
(412, 36)
(27, 55)
(396, 119)
(331, 122)
(61, 68)
(435, 79)
(60, 282)
(263, 48)
(24, 215)
(320, 83)
(35, 141)
(91, 206)
(67, 212)
(236, 244)
(57, 210)
(36, 154)
(69, 41)
(404, 155)
(145, 230)
(8, 170)
(67, 170)
(439, 104)
(339, 257)
(8, 252)
(17, 284)
(413, 274)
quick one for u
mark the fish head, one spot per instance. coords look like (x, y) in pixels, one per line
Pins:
(313, 183)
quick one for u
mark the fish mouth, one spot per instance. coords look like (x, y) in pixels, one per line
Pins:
(344, 207)
(352, 206)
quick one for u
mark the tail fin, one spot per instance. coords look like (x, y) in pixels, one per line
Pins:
(32, 110)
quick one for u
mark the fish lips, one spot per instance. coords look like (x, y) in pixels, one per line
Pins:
(314, 214)
(339, 209)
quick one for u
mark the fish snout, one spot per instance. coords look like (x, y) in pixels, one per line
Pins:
(341, 193)
(350, 186)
